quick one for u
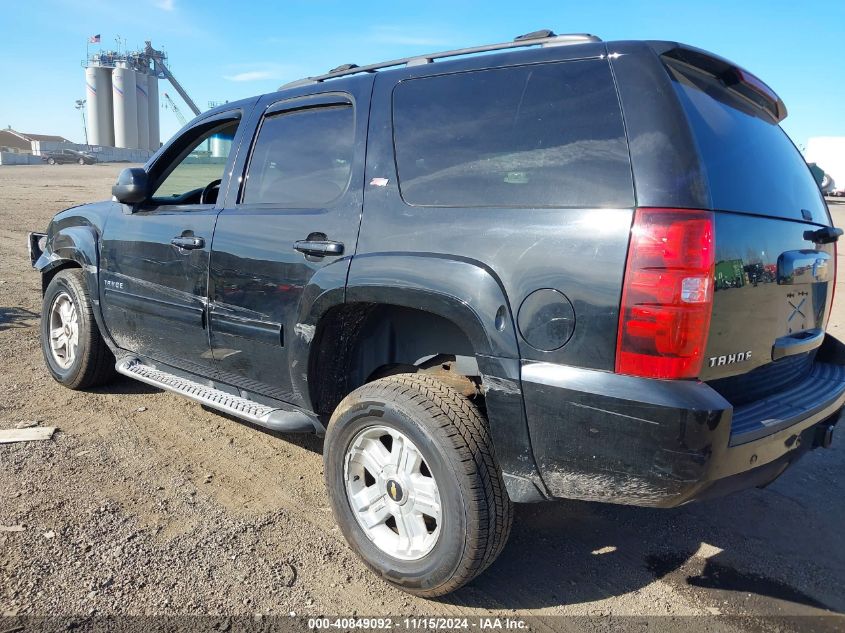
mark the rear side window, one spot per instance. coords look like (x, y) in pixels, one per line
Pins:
(545, 135)
(301, 158)
(750, 163)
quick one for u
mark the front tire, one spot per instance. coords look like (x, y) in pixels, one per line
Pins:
(414, 484)
(74, 350)
(51, 161)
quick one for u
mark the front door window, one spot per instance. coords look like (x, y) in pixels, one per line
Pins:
(195, 176)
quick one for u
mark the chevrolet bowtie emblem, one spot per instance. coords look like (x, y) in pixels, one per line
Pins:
(394, 490)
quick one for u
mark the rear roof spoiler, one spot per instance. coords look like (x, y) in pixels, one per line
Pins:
(733, 77)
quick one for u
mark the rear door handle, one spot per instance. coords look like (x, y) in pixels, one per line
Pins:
(797, 343)
(319, 248)
(187, 243)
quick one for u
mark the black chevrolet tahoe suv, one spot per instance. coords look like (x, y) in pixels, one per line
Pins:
(550, 268)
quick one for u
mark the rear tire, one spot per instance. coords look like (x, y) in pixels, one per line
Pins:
(473, 511)
(74, 350)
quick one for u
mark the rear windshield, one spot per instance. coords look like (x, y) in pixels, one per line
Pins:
(751, 164)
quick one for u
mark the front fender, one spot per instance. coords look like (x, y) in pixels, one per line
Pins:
(76, 244)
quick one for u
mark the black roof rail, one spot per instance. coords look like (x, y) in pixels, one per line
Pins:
(543, 37)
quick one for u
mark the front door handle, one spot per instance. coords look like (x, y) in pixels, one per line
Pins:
(187, 243)
(319, 248)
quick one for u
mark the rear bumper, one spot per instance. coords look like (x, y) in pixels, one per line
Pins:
(600, 436)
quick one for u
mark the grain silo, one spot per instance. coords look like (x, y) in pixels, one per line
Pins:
(220, 146)
(143, 110)
(122, 97)
(99, 102)
(152, 94)
(125, 108)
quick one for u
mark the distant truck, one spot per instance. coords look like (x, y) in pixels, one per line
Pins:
(823, 179)
(828, 152)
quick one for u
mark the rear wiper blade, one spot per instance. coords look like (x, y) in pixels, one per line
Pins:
(826, 235)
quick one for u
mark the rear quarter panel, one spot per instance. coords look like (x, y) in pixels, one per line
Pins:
(577, 251)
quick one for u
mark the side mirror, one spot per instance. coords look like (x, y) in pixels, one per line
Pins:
(131, 186)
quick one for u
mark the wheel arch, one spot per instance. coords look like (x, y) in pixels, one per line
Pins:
(463, 291)
(459, 304)
(404, 307)
(75, 246)
(69, 247)
(48, 273)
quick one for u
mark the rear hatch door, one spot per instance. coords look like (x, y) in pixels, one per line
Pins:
(775, 248)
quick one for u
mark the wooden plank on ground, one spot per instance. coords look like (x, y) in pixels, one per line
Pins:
(7, 436)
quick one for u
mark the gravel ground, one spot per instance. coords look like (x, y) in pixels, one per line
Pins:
(144, 503)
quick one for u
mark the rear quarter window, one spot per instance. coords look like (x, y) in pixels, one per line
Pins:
(543, 135)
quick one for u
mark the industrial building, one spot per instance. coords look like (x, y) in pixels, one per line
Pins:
(122, 100)
(23, 148)
(122, 108)
(122, 97)
(16, 142)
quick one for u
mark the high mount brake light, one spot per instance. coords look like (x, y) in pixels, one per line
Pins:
(667, 295)
(757, 85)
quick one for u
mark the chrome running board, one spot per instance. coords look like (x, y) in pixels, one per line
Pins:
(270, 417)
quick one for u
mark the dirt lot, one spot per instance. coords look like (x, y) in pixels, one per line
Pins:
(144, 503)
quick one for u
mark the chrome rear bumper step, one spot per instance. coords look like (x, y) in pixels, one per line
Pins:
(273, 418)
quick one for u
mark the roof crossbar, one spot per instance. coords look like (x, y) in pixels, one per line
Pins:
(536, 38)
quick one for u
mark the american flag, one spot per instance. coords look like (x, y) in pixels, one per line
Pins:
(94, 39)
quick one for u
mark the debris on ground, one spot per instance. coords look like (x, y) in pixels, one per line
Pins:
(8, 436)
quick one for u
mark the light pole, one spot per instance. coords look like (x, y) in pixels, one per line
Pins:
(80, 105)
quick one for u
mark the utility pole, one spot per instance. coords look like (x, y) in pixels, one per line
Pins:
(80, 105)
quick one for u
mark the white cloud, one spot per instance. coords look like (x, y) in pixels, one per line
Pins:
(260, 71)
(165, 5)
(250, 75)
(386, 34)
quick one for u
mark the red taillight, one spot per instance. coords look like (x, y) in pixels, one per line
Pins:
(667, 295)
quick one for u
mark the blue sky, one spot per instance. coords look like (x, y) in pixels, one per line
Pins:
(225, 50)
